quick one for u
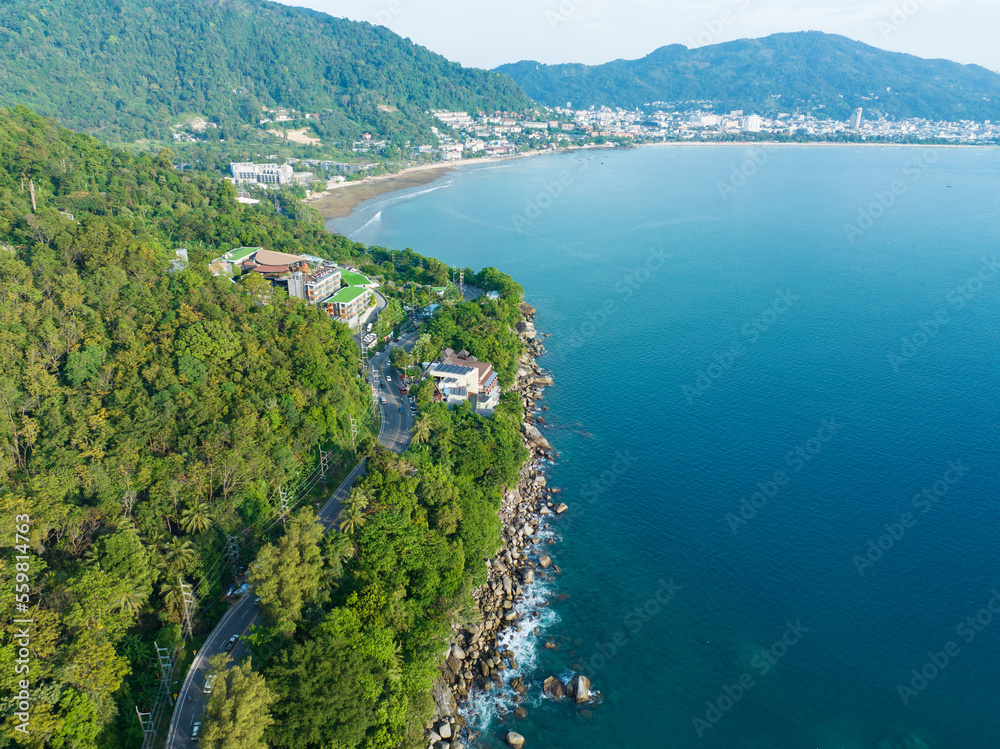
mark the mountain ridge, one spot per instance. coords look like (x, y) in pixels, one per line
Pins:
(126, 69)
(779, 72)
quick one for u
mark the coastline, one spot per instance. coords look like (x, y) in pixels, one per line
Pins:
(481, 671)
(824, 143)
(340, 200)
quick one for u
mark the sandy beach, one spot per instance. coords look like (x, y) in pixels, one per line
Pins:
(340, 200)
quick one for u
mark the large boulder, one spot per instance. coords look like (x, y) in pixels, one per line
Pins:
(515, 740)
(554, 688)
(544, 560)
(581, 688)
(535, 437)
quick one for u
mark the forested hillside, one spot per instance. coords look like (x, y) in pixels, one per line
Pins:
(781, 73)
(145, 411)
(125, 69)
(149, 410)
(352, 666)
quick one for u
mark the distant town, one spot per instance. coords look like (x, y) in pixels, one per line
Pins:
(464, 135)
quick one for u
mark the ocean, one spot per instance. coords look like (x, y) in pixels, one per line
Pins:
(778, 418)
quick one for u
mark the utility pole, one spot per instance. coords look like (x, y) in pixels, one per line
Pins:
(189, 604)
(146, 723)
(364, 351)
(283, 499)
(165, 658)
(233, 552)
(31, 189)
(324, 461)
(166, 664)
(368, 374)
(354, 434)
(461, 282)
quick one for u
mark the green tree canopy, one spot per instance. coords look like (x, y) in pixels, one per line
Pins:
(239, 710)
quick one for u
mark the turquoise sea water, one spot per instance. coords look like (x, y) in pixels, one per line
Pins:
(714, 336)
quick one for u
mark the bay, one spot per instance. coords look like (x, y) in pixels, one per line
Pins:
(819, 325)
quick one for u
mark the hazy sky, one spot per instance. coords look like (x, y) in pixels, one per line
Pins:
(487, 33)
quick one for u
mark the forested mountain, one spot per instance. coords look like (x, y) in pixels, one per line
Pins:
(128, 68)
(781, 72)
(149, 411)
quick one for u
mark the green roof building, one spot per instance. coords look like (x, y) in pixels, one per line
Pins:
(348, 303)
(354, 279)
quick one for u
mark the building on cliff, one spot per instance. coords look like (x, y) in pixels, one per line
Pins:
(460, 377)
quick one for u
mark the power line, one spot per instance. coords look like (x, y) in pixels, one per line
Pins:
(167, 658)
(253, 533)
(290, 501)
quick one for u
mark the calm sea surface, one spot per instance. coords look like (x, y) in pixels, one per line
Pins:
(778, 409)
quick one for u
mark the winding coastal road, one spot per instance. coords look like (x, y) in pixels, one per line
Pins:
(394, 434)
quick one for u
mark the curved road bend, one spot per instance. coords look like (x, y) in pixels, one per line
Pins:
(395, 435)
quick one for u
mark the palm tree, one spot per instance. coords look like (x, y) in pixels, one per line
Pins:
(179, 554)
(360, 497)
(394, 669)
(421, 431)
(130, 602)
(196, 517)
(173, 598)
(338, 550)
(135, 650)
(423, 426)
(155, 542)
(91, 557)
(352, 517)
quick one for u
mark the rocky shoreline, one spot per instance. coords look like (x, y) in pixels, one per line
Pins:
(476, 658)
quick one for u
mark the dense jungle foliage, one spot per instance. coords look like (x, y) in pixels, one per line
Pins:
(148, 410)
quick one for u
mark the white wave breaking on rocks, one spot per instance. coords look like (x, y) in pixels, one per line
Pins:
(489, 673)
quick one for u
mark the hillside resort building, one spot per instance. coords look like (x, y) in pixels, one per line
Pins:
(312, 279)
